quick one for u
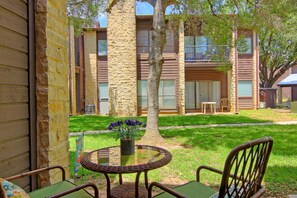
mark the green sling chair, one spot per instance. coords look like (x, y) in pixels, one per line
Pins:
(63, 188)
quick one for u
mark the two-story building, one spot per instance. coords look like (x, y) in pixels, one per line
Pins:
(112, 70)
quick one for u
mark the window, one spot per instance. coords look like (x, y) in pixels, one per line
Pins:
(144, 41)
(245, 46)
(142, 94)
(202, 48)
(102, 47)
(166, 94)
(244, 88)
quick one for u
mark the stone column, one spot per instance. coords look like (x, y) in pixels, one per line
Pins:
(52, 73)
(91, 77)
(233, 76)
(72, 81)
(255, 71)
(181, 65)
(122, 65)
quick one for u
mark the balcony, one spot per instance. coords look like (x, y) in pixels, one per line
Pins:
(206, 53)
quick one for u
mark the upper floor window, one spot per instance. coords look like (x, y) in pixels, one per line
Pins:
(245, 45)
(102, 47)
(144, 41)
(201, 48)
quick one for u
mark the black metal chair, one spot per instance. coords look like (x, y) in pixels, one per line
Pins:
(243, 173)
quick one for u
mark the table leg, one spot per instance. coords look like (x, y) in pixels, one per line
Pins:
(107, 185)
(136, 185)
(120, 178)
(215, 108)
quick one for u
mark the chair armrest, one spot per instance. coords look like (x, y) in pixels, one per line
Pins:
(37, 171)
(77, 188)
(169, 190)
(207, 168)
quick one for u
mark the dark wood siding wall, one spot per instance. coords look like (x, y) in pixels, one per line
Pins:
(79, 76)
(196, 74)
(245, 71)
(15, 102)
(102, 71)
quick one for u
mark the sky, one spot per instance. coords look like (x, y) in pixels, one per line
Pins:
(142, 8)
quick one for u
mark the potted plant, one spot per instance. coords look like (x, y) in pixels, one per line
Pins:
(126, 130)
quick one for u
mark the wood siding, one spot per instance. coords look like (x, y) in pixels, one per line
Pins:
(102, 71)
(15, 108)
(245, 68)
(196, 74)
(245, 102)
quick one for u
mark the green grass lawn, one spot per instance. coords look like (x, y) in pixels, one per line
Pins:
(92, 122)
(191, 148)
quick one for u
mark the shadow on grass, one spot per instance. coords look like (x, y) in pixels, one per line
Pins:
(285, 137)
(281, 177)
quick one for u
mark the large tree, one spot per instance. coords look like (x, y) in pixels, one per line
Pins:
(278, 41)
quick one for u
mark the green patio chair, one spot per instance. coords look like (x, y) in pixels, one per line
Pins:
(242, 175)
(64, 188)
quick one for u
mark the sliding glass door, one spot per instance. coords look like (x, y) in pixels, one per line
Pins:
(202, 91)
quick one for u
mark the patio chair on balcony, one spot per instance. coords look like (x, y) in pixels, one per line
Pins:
(242, 175)
(224, 102)
(60, 189)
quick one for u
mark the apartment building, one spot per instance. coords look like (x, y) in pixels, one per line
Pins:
(112, 70)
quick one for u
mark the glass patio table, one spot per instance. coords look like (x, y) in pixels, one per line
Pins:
(110, 161)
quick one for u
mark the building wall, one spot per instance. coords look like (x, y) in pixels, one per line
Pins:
(246, 71)
(52, 86)
(90, 51)
(122, 66)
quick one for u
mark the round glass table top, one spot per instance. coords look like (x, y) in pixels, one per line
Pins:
(110, 160)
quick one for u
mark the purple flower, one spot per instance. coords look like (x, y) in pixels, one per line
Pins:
(126, 129)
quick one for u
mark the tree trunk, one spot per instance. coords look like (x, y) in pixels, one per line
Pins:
(156, 60)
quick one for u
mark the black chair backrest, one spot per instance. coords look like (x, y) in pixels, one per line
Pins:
(244, 168)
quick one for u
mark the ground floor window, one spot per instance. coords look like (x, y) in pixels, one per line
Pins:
(167, 95)
(202, 91)
(244, 88)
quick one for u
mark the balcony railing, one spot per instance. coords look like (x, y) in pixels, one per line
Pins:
(206, 53)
